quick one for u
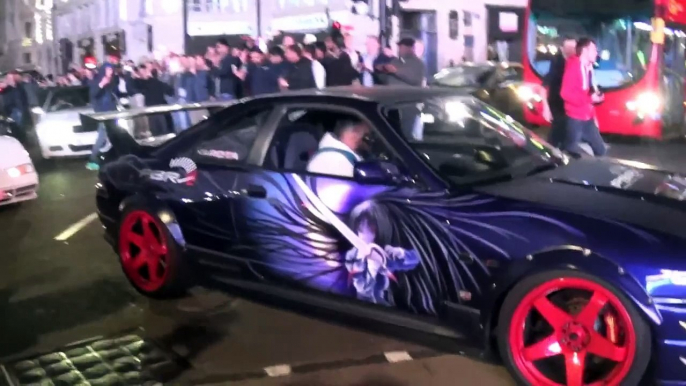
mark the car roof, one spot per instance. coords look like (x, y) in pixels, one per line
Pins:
(378, 94)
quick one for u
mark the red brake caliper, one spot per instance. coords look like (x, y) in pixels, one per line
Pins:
(611, 326)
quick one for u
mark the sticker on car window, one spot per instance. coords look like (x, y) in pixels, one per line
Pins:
(220, 154)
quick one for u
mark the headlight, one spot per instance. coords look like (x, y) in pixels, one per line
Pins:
(37, 110)
(646, 104)
(19, 171)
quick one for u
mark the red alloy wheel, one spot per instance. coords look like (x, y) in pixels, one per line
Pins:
(575, 337)
(143, 251)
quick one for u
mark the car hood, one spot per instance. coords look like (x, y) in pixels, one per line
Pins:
(623, 177)
(71, 117)
(612, 189)
(13, 153)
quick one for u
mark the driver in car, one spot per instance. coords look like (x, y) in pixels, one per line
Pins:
(339, 151)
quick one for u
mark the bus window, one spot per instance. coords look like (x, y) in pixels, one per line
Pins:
(622, 44)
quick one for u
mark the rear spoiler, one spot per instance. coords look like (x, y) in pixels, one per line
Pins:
(144, 111)
(119, 126)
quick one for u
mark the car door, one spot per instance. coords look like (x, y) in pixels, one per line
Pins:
(205, 209)
(331, 233)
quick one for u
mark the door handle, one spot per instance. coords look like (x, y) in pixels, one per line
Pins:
(256, 191)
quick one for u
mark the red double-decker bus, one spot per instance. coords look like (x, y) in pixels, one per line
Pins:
(640, 68)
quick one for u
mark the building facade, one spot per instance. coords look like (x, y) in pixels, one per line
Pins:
(28, 35)
(53, 34)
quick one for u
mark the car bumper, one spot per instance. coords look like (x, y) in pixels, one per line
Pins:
(22, 188)
(670, 350)
(67, 145)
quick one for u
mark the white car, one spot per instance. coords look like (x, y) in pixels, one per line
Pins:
(18, 178)
(58, 124)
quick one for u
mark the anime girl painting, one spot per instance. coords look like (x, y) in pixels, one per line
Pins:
(372, 267)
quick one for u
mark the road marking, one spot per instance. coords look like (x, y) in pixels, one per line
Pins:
(278, 370)
(8, 379)
(397, 356)
(77, 226)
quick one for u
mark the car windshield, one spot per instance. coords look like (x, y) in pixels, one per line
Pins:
(468, 141)
(623, 46)
(67, 98)
(463, 76)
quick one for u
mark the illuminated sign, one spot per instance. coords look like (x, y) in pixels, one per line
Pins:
(206, 28)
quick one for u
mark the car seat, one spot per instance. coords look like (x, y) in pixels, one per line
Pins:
(294, 147)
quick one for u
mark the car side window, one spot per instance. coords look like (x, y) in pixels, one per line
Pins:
(304, 132)
(233, 143)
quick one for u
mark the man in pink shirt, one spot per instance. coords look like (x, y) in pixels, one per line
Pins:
(579, 95)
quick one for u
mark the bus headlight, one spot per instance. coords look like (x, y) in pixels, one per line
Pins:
(646, 104)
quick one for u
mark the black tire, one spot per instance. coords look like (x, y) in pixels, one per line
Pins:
(177, 280)
(642, 331)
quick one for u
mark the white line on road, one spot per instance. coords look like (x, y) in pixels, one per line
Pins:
(278, 370)
(77, 226)
(397, 356)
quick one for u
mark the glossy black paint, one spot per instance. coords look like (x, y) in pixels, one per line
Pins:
(595, 195)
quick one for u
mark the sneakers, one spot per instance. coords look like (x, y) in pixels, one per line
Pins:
(92, 166)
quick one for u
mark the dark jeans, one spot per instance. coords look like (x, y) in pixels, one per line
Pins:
(583, 131)
(558, 129)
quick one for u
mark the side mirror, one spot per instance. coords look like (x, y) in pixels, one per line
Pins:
(380, 172)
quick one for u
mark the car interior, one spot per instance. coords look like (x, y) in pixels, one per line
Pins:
(464, 152)
(297, 137)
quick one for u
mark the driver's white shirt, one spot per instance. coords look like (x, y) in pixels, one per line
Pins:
(332, 163)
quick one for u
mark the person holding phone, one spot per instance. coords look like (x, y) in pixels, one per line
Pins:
(580, 93)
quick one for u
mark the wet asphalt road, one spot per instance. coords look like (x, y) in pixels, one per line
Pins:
(54, 293)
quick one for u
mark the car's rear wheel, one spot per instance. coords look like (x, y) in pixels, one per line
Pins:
(149, 256)
(569, 328)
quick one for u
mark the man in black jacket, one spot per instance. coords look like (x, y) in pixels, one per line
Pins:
(299, 76)
(226, 71)
(15, 102)
(554, 110)
(154, 91)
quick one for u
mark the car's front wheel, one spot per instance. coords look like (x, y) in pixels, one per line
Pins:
(149, 256)
(569, 328)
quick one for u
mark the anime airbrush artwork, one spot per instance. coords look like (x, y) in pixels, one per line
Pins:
(371, 267)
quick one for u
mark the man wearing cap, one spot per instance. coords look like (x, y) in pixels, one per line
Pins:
(103, 99)
(407, 69)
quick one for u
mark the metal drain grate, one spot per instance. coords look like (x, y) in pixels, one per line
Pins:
(124, 360)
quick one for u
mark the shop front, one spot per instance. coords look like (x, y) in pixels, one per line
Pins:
(505, 32)
(297, 19)
(220, 20)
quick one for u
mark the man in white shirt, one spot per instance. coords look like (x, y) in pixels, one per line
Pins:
(373, 48)
(318, 70)
(338, 151)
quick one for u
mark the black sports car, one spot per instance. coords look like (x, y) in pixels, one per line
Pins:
(432, 211)
(496, 83)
